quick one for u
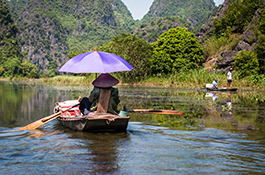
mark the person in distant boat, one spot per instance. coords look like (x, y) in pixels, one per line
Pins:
(215, 83)
(229, 78)
(104, 81)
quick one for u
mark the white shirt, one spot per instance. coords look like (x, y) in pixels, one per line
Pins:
(230, 74)
(215, 83)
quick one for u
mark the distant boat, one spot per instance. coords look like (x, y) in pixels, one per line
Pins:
(221, 89)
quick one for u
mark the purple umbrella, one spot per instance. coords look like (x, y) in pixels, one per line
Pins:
(96, 62)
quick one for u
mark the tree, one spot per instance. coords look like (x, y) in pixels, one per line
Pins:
(29, 70)
(175, 50)
(135, 51)
(246, 64)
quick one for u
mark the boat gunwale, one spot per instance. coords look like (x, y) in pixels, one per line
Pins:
(91, 117)
(211, 89)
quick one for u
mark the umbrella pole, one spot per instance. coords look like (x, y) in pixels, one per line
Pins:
(96, 73)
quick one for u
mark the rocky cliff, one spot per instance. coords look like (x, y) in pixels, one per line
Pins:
(248, 42)
(49, 29)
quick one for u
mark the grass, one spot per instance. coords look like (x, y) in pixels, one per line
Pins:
(69, 80)
(197, 79)
(193, 79)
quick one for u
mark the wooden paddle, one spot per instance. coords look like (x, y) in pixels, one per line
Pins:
(44, 120)
(157, 111)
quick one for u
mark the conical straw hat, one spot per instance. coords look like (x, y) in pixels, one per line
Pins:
(105, 81)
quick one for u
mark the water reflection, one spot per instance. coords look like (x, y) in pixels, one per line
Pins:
(101, 151)
(215, 96)
(235, 112)
(221, 136)
(227, 107)
(229, 102)
(23, 103)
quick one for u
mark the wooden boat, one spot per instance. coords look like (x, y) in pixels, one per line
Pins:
(221, 89)
(94, 121)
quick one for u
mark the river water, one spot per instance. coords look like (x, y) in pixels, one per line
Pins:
(220, 133)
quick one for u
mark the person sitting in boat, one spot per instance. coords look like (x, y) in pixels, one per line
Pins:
(105, 81)
(215, 83)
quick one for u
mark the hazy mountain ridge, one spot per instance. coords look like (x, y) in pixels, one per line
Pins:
(194, 11)
(151, 30)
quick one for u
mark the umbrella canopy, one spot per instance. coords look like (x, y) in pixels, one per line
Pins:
(96, 62)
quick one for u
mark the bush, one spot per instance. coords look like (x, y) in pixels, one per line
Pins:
(175, 50)
(246, 64)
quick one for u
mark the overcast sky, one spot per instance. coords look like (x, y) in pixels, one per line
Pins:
(139, 8)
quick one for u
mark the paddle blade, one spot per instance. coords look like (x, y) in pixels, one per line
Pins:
(40, 122)
(157, 111)
(44, 120)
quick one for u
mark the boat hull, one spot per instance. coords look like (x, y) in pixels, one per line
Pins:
(99, 122)
(221, 89)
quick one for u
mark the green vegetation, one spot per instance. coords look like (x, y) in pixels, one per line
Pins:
(196, 11)
(151, 30)
(11, 59)
(237, 17)
(260, 47)
(175, 57)
(228, 31)
(192, 79)
(246, 64)
(70, 80)
(176, 50)
(213, 46)
(16, 7)
(50, 29)
(94, 23)
(135, 51)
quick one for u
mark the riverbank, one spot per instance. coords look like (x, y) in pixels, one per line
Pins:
(187, 81)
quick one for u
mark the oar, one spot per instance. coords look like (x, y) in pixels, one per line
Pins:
(157, 111)
(44, 120)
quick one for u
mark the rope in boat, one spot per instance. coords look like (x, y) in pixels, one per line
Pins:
(109, 117)
(108, 121)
